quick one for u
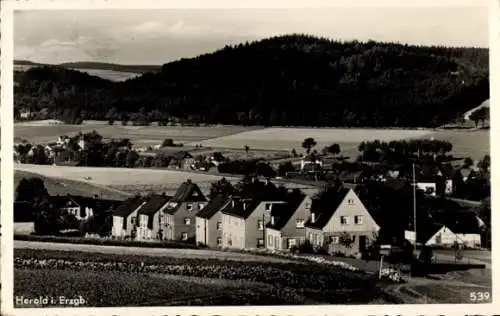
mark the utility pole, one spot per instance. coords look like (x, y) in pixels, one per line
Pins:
(414, 206)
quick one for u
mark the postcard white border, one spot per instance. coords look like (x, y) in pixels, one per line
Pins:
(7, 8)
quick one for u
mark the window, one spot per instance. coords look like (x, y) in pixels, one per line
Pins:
(201, 206)
(300, 223)
(350, 201)
(270, 240)
(219, 241)
(133, 220)
(219, 225)
(268, 206)
(344, 220)
(189, 207)
(260, 242)
(260, 224)
(184, 236)
(334, 239)
(187, 221)
(292, 242)
(358, 219)
(307, 206)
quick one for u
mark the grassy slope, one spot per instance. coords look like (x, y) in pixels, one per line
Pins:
(63, 186)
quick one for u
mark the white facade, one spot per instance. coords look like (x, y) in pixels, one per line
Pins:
(428, 187)
(117, 229)
(447, 238)
(233, 232)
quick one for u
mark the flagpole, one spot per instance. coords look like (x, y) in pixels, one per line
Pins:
(414, 206)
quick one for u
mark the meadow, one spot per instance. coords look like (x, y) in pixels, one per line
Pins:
(263, 142)
(138, 135)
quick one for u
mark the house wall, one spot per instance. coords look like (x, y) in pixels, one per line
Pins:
(252, 231)
(233, 232)
(274, 239)
(314, 236)
(183, 213)
(24, 228)
(117, 228)
(448, 187)
(447, 238)
(130, 222)
(302, 212)
(213, 233)
(168, 229)
(143, 232)
(201, 230)
(350, 207)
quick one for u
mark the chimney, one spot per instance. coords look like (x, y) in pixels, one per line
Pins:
(244, 205)
(272, 220)
(313, 217)
(232, 203)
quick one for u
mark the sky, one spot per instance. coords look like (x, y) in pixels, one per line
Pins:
(159, 36)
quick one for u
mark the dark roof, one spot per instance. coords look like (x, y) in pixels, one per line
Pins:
(188, 192)
(461, 222)
(23, 212)
(240, 208)
(128, 206)
(282, 213)
(325, 207)
(215, 205)
(153, 204)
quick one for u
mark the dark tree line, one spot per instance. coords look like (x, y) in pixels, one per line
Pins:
(294, 80)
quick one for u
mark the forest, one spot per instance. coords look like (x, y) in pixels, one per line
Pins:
(292, 80)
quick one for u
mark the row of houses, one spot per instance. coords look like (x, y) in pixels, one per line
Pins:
(270, 221)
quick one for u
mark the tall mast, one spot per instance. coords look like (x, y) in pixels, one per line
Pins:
(414, 205)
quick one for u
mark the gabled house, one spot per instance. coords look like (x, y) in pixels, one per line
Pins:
(125, 218)
(310, 160)
(446, 229)
(80, 207)
(243, 222)
(467, 174)
(151, 218)
(209, 222)
(341, 223)
(181, 210)
(286, 228)
(351, 176)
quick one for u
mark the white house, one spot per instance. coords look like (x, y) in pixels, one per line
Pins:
(445, 237)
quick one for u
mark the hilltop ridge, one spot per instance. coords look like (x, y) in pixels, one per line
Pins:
(286, 80)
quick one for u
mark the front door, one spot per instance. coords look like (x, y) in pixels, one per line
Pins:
(362, 243)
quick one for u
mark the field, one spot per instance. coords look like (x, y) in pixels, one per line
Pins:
(121, 182)
(262, 141)
(138, 135)
(104, 279)
(63, 186)
(466, 143)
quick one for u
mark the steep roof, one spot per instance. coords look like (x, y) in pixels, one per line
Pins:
(153, 204)
(128, 206)
(188, 192)
(324, 208)
(215, 205)
(282, 214)
(240, 208)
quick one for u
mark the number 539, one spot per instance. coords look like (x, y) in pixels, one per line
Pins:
(479, 296)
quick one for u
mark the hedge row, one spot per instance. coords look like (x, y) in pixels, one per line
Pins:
(106, 242)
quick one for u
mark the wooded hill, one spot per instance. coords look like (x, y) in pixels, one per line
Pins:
(287, 80)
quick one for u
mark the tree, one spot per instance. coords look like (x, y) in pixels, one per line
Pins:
(468, 162)
(294, 153)
(247, 149)
(284, 168)
(31, 189)
(167, 142)
(132, 157)
(334, 149)
(485, 164)
(346, 240)
(221, 187)
(48, 219)
(308, 144)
